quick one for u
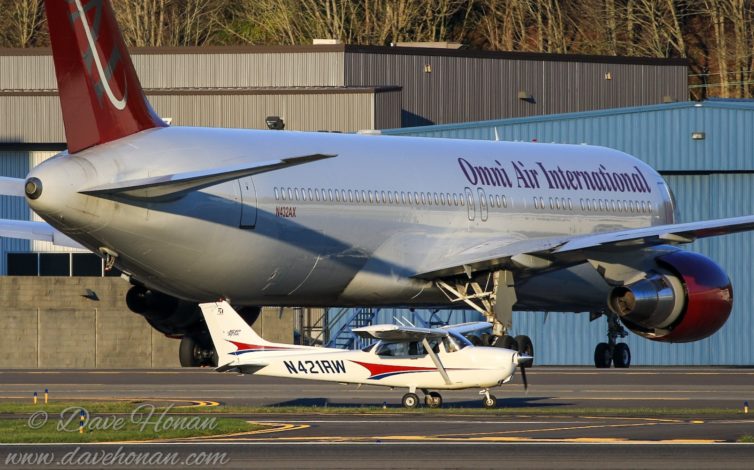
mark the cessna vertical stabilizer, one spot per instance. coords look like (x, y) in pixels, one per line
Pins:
(316, 219)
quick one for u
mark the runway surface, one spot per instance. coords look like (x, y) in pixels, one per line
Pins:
(477, 438)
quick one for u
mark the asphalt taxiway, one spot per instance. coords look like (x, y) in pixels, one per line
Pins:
(549, 387)
(524, 436)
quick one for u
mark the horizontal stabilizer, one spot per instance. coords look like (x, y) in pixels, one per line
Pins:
(246, 368)
(177, 184)
(11, 186)
(31, 230)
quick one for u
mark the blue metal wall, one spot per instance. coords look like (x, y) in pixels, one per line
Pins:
(16, 165)
(712, 178)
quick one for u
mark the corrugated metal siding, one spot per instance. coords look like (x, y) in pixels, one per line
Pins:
(14, 165)
(660, 135)
(462, 89)
(30, 119)
(239, 70)
(37, 119)
(387, 109)
(347, 112)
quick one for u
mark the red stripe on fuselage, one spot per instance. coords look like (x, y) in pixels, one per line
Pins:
(379, 369)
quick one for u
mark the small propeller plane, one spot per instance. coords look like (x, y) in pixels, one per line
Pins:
(416, 358)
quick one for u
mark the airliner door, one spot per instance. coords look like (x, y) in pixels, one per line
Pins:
(470, 205)
(483, 212)
(248, 203)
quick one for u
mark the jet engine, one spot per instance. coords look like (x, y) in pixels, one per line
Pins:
(687, 299)
(167, 314)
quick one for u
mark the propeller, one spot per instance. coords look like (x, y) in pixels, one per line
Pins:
(524, 361)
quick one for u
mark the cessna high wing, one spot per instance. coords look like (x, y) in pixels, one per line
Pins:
(415, 358)
(192, 215)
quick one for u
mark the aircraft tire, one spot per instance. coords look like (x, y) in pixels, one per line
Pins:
(487, 339)
(475, 340)
(525, 346)
(602, 356)
(410, 400)
(186, 352)
(506, 342)
(490, 402)
(433, 400)
(621, 356)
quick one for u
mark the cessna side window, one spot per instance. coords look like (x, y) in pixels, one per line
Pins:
(277, 195)
(393, 349)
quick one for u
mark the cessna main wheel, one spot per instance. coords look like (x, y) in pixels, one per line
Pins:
(433, 400)
(410, 400)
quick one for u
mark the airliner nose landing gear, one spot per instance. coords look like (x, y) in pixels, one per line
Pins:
(612, 352)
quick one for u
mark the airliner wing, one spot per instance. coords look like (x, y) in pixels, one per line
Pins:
(176, 184)
(31, 230)
(541, 253)
(399, 333)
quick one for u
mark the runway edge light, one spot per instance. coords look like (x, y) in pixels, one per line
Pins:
(746, 407)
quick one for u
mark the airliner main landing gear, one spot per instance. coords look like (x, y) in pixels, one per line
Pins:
(493, 295)
(612, 352)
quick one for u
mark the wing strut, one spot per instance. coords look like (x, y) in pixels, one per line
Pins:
(437, 361)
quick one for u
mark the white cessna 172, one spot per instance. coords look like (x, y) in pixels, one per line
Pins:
(415, 358)
(280, 218)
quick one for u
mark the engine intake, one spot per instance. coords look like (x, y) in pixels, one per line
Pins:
(689, 298)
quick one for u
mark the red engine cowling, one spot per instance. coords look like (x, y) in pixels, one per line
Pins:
(688, 300)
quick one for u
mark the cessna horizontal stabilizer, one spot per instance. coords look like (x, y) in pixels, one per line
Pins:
(177, 184)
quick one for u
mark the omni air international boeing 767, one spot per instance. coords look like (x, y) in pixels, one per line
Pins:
(279, 218)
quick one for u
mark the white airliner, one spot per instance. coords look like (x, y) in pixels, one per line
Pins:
(282, 218)
(406, 357)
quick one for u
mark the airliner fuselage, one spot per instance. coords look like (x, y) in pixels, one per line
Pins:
(348, 230)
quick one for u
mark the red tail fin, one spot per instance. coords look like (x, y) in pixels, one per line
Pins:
(100, 94)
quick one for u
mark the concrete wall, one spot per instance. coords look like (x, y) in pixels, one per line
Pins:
(48, 323)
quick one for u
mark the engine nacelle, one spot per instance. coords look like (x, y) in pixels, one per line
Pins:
(167, 314)
(688, 299)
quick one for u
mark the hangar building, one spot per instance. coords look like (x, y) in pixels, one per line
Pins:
(704, 151)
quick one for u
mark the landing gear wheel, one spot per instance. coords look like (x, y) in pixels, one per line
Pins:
(525, 346)
(602, 356)
(506, 342)
(621, 356)
(475, 340)
(489, 401)
(197, 351)
(187, 352)
(433, 400)
(487, 340)
(410, 400)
